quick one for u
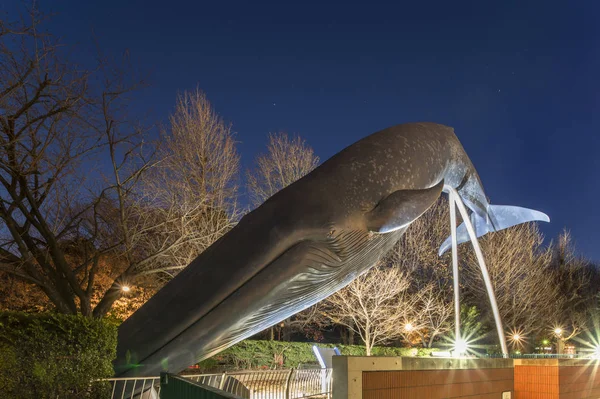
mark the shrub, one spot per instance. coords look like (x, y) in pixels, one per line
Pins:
(51, 355)
(251, 354)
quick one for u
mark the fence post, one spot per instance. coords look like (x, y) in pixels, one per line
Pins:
(329, 384)
(287, 384)
(222, 383)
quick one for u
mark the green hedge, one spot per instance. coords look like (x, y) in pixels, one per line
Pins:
(250, 354)
(50, 355)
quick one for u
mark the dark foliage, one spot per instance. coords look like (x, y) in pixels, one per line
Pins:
(50, 355)
(250, 354)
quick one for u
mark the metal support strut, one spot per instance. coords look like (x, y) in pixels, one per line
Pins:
(452, 204)
(455, 200)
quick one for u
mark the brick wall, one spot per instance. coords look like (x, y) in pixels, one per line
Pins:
(356, 377)
(557, 379)
(579, 382)
(536, 382)
(437, 384)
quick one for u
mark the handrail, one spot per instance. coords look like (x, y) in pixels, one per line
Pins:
(250, 384)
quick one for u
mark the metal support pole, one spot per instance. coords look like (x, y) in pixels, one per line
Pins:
(484, 271)
(287, 384)
(452, 200)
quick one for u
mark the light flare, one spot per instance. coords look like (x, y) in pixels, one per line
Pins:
(558, 330)
(517, 339)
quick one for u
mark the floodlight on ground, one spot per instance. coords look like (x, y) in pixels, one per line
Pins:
(460, 347)
(409, 327)
(516, 337)
(125, 288)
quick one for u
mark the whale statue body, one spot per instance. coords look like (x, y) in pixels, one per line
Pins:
(303, 244)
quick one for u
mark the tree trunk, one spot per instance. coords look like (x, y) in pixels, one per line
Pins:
(287, 329)
(367, 339)
(110, 297)
(430, 343)
(423, 340)
(61, 305)
(350, 336)
(343, 335)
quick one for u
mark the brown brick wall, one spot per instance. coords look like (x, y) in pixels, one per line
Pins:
(557, 382)
(579, 382)
(536, 382)
(437, 384)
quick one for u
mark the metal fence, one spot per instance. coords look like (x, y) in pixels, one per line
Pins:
(135, 388)
(268, 384)
(177, 387)
(224, 382)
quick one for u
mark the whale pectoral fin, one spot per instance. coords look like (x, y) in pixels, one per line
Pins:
(501, 217)
(401, 208)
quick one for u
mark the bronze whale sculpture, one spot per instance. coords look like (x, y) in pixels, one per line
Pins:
(303, 244)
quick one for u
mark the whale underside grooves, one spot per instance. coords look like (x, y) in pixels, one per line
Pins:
(303, 244)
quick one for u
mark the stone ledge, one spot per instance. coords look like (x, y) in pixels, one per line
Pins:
(379, 363)
(557, 362)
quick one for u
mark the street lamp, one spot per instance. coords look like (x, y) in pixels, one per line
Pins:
(517, 338)
(409, 327)
(558, 331)
(125, 288)
(560, 344)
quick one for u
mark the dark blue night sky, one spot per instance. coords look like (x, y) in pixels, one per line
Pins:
(517, 80)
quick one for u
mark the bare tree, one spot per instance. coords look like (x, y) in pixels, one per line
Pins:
(71, 168)
(576, 297)
(426, 314)
(287, 160)
(193, 185)
(427, 304)
(519, 267)
(369, 305)
(43, 139)
(172, 208)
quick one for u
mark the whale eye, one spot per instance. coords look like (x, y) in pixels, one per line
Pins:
(331, 233)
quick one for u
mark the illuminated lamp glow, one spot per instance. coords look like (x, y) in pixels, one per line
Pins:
(460, 346)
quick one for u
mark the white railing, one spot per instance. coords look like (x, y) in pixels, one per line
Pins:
(268, 384)
(135, 388)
